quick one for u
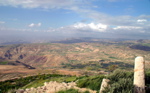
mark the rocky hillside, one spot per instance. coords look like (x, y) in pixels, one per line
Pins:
(80, 55)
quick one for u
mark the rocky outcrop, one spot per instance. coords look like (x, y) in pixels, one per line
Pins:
(104, 85)
(53, 87)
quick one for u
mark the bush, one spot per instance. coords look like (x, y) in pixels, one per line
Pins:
(120, 82)
(90, 82)
(124, 85)
(147, 80)
(117, 74)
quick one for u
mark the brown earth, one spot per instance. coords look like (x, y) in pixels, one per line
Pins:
(11, 72)
(29, 59)
(53, 55)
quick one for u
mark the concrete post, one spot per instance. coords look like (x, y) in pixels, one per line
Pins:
(139, 75)
(104, 84)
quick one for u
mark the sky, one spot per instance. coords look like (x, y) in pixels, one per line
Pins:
(57, 19)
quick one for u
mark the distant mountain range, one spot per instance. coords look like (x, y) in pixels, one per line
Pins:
(66, 41)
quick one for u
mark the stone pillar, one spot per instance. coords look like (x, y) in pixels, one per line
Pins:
(104, 84)
(139, 75)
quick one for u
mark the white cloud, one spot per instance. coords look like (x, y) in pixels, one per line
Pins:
(83, 7)
(99, 28)
(141, 20)
(81, 28)
(39, 24)
(110, 20)
(35, 25)
(47, 4)
(127, 28)
(32, 25)
(100, 17)
(91, 26)
(124, 20)
(122, 23)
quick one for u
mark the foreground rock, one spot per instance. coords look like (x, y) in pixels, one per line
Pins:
(53, 87)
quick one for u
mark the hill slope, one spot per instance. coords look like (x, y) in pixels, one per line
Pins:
(79, 55)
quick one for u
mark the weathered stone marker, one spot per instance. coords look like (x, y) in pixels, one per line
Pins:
(104, 84)
(139, 75)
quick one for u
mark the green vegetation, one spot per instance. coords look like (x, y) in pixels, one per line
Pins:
(77, 55)
(33, 81)
(69, 91)
(112, 57)
(95, 65)
(87, 66)
(4, 63)
(40, 82)
(120, 82)
(72, 91)
(92, 82)
(146, 44)
(147, 79)
(88, 56)
(111, 68)
(120, 65)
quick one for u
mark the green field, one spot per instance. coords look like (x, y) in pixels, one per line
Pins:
(121, 82)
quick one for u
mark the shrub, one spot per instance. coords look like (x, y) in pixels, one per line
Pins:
(120, 82)
(124, 85)
(90, 82)
(117, 74)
